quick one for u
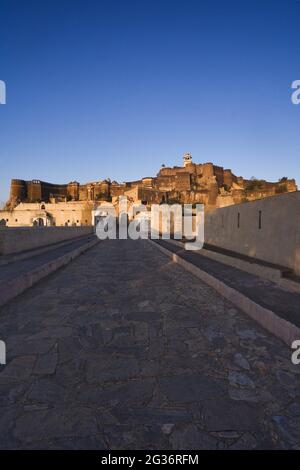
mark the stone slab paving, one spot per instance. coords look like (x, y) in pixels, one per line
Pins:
(268, 294)
(12, 270)
(25, 254)
(123, 349)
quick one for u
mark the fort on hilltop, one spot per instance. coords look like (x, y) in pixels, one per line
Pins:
(190, 183)
(204, 183)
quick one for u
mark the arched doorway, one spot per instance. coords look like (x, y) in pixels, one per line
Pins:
(39, 222)
(2, 223)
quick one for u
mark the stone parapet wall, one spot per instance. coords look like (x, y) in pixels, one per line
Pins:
(16, 240)
(266, 229)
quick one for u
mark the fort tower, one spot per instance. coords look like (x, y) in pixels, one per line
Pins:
(187, 159)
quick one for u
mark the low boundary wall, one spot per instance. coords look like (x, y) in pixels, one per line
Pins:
(267, 229)
(16, 240)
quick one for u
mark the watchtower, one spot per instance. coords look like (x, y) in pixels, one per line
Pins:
(187, 159)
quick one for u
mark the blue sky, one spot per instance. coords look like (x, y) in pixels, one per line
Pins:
(100, 89)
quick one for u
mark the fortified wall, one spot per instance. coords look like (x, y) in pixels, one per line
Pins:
(38, 191)
(191, 183)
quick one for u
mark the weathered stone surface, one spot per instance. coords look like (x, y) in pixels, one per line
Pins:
(12, 392)
(46, 391)
(288, 428)
(151, 416)
(243, 395)
(109, 369)
(241, 361)
(225, 415)
(46, 364)
(190, 388)
(138, 392)
(245, 442)
(18, 369)
(286, 379)
(237, 378)
(21, 346)
(48, 423)
(247, 334)
(190, 437)
(94, 442)
(127, 437)
(55, 423)
(161, 363)
(167, 428)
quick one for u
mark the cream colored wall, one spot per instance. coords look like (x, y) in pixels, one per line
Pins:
(278, 240)
(16, 240)
(61, 213)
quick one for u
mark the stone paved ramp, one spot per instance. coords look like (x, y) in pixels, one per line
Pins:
(12, 270)
(122, 349)
(266, 293)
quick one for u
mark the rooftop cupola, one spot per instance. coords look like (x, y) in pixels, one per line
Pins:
(187, 159)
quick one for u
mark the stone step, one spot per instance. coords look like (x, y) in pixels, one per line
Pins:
(283, 276)
(271, 305)
(14, 257)
(18, 276)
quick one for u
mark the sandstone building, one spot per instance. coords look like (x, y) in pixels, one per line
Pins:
(39, 203)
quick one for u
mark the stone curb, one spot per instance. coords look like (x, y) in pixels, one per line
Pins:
(14, 257)
(279, 327)
(15, 287)
(273, 274)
